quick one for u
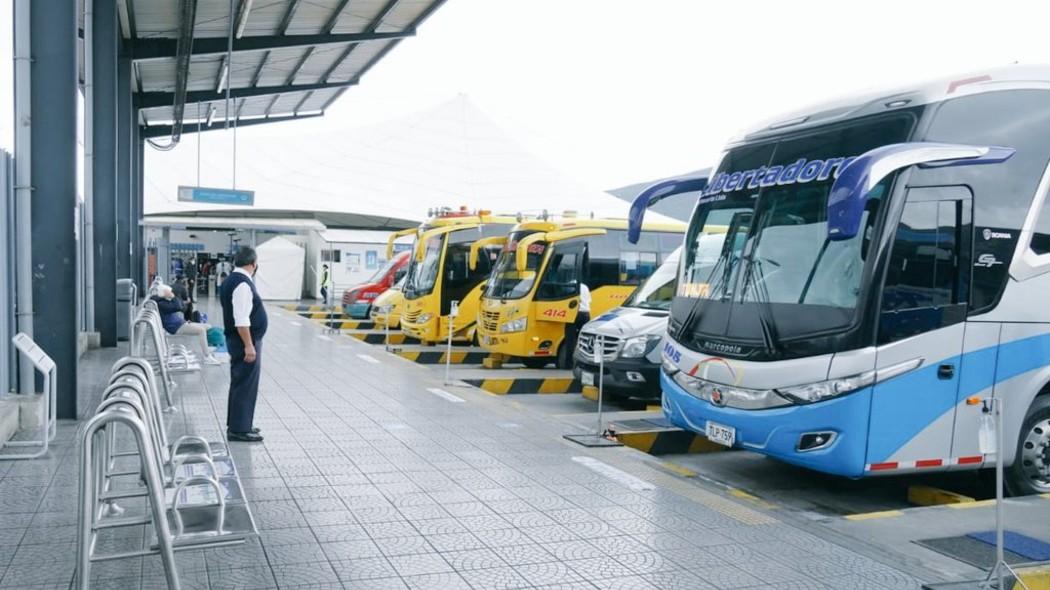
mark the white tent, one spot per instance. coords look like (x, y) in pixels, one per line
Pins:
(449, 155)
(281, 266)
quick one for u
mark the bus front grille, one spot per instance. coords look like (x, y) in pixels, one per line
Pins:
(587, 343)
(490, 321)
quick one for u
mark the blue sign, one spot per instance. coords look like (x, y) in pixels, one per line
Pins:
(371, 259)
(216, 196)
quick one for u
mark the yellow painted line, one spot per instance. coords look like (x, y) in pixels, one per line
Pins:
(1035, 578)
(555, 385)
(750, 497)
(678, 469)
(977, 504)
(930, 496)
(1045, 496)
(590, 392)
(875, 515)
(497, 386)
(653, 408)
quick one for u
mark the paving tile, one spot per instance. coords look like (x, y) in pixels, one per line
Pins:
(306, 575)
(419, 564)
(366, 568)
(246, 578)
(443, 581)
(499, 578)
(473, 559)
(542, 574)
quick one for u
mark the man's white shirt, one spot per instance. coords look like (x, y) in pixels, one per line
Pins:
(242, 302)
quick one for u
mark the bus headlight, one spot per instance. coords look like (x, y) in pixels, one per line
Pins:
(424, 318)
(517, 325)
(822, 390)
(639, 346)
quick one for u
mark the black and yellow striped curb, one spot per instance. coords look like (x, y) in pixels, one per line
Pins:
(921, 495)
(668, 442)
(351, 325)
(440, 357)
(526, 385)
(1036, 577)
(381, 338)
(323, 315)
(294, 307)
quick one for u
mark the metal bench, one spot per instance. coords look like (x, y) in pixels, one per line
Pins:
(29, 352)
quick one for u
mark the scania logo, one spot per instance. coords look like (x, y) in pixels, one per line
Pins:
(722, 347)
(717, 398)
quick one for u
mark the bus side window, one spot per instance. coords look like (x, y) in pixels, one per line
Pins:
(636, 266)
(924, 279)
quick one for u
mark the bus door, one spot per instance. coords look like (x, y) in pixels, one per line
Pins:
(921, 330)
(557, 297)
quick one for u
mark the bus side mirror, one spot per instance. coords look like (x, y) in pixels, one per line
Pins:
(654, 195)
(856, 179)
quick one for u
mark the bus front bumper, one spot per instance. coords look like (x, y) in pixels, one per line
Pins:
(778, 432)
(517, 344)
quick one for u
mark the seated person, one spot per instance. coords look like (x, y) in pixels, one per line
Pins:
(171, 317)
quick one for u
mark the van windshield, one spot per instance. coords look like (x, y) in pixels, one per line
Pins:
(658, 290)
(422, 274)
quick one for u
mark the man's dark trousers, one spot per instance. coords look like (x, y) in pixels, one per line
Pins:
(244, 386)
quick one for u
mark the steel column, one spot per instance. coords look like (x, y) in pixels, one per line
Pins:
(137, 183)
(53, 26)
(104, 194)
(125, 122)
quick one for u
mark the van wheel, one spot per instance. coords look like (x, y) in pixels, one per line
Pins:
(535, 362)
(1030, 473)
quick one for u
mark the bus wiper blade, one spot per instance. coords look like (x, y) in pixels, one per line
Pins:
(694, 311)
(770, 336)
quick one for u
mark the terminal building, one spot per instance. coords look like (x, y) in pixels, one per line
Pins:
(467, 432)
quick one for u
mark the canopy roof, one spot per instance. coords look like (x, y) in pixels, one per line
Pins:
(450, 155)
(290, 58)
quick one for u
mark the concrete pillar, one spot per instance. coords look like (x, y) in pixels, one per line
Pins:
(53, 26)
(138, 181)
(104, 191)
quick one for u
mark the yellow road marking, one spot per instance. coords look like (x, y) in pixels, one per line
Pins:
(874, 515)
(977, 504)
(683, 471)
(1035, 578)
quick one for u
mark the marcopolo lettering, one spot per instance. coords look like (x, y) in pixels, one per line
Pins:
(799, 171)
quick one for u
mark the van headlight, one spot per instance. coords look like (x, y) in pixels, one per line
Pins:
(822, 390)
(424, 318)
(639, 346)
(517, 325)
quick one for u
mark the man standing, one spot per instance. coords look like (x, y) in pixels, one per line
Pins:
(244, 323)
(325, 279)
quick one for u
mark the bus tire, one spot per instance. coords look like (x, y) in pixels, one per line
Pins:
(564, 357)
(533, 362)
(1030, 473)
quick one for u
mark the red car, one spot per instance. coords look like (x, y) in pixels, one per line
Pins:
(357, 300)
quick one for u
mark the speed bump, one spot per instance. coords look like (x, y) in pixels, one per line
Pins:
(322, 315)
(440, 357)
(525, 385)
(656, 436)
(301, 307)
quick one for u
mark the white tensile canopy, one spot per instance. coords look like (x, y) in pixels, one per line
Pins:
(281, 266)
(450, 155)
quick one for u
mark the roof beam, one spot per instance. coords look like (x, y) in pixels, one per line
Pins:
(161, 48)
(165, 130)
(160, 99)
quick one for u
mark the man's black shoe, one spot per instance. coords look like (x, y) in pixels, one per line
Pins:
(244, 437)
(255, 431)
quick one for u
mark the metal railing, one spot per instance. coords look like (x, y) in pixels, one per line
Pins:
(193, 497)
(29, 352)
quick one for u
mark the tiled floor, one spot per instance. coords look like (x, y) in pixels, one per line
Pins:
(368, 480)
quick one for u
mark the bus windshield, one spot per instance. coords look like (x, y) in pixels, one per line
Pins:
(506, 282)
(422, 275)
(658, 290)
(775, 264)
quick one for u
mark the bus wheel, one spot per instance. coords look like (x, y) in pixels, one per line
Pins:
(564, 357)
(533, 362)
(1030, 473)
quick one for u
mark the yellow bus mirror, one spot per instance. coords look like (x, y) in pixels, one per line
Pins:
(393, 238)
(475, 248)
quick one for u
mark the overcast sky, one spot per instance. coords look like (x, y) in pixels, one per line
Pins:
(620, 91)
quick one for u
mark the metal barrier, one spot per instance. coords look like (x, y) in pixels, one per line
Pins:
(161, 366)
(131, 317)
(31, 353)
(194, 498)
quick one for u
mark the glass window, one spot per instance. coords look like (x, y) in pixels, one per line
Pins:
(1041, 235)
(506, 282)
(636, 266)
(923, 265)
(561, 280)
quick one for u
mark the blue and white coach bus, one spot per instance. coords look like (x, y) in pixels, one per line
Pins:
(887, 258)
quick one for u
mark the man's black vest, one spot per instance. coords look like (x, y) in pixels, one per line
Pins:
(258, 315)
